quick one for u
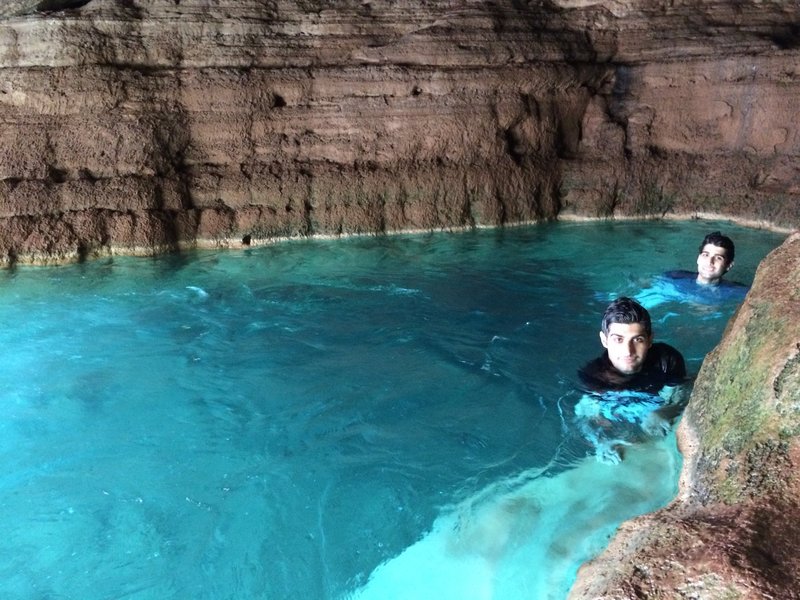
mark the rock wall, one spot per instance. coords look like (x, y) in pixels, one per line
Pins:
(734, 528)
(146, 125)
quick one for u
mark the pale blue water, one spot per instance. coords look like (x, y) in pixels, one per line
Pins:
(373, 417)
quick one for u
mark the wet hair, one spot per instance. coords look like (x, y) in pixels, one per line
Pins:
(626, 310)
(715, 238)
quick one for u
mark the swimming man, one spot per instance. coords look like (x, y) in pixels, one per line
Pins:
(634, 381)
(703, 286)
(714, 259)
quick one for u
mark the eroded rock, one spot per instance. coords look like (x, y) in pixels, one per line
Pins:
(220, 121)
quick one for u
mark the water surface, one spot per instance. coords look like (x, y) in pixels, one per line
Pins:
(372, 417)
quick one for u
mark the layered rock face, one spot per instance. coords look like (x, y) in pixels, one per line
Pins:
(734, 529)
(142, 126)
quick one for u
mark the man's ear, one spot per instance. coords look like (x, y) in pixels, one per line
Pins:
(603, 340)
(729, 267)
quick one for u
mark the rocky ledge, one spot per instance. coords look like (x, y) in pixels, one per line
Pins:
(144, 126)
(733, 531)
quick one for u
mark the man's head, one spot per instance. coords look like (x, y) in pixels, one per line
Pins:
(626, 333)
(715, 258)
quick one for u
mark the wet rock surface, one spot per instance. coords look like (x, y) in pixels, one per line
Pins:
(142, 127)
(734, 528)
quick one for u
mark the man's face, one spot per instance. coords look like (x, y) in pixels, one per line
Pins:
(712, 264)
(627, 345)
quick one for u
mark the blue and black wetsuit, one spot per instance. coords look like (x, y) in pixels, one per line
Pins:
(682, 286)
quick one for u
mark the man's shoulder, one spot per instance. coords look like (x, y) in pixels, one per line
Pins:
(681, 274)
(596, 373)
(669, 359)
(723, 283)
(734, 285)
(594, 366)
(664, 348)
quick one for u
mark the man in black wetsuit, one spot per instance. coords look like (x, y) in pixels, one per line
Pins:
(631, 361)
(634, 363)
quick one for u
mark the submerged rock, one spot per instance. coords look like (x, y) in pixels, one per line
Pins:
(733, 531)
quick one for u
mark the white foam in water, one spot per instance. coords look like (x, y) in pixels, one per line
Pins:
(523, 538)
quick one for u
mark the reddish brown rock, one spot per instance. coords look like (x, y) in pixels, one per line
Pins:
(145, 126)
(733, 531)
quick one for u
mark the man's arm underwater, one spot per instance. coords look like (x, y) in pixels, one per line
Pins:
(595, 428)
(660, 421)
(610, 421)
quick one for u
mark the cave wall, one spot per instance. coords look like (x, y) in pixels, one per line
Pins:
(701, 115)
(144, 126)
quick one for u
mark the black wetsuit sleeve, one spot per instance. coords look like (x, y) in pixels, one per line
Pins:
(587, 375)
(672, 365)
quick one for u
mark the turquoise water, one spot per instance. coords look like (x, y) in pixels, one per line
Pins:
(373, 417)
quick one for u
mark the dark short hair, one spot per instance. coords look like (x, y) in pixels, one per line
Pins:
(715, 238)
(626, 310)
